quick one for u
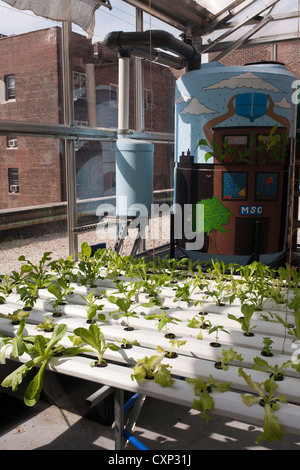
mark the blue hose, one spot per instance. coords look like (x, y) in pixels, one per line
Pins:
(138, 444)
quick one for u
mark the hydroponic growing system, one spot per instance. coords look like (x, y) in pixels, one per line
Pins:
(215, 337)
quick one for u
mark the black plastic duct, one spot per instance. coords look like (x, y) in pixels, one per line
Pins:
(135, 43)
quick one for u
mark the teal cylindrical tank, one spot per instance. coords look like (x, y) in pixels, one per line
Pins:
(134, 177)
(228, 162)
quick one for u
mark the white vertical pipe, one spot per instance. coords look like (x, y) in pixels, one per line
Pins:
(123, 108)
(139, 124)
(69, 144)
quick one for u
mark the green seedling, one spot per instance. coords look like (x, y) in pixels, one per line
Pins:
(265, 396)
(126, 344)
(276, 372)
(199, 322)
(16, 316)
(60, 293)
(64, 268)
(89, 266)
(42, 267)
(266, 349)
(17, 344)
(7, 284)
(216, 330)
(173, 343)
(93, 308)
(42, 350)
(47, 325)
(94, 338)
(228, 356)
(203, 390)
(164, 320)
(152, 368)
(245, 321)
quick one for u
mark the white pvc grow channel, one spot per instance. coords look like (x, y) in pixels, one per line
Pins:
(196, 357)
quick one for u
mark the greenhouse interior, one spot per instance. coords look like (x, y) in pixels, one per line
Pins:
(135, 313)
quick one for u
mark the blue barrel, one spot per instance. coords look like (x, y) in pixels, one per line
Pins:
(134, 177)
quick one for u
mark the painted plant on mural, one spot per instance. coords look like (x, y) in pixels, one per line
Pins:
(217, 95)
(237, 122)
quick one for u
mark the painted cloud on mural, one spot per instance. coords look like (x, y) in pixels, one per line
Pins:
(244, 80)
(183, 98)
(283, 103)
(195, 107)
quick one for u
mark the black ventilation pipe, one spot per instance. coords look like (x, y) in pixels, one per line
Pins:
(135, 43)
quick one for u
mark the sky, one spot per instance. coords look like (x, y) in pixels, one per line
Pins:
(120, 18)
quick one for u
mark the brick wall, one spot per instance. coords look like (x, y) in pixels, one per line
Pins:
(287, 52)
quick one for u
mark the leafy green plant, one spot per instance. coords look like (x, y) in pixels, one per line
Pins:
(267, 344)
(7, 284)
(64, 268)
(42, 266)
(152, 368)
(42, 350)
(93, 307)
(89, 266)
(203, 389)
(60, 290)
(16, 316)
(47, 325)
(245, 321)
(163, 321)
(127, 344)
(292, 330)
(28, 294)
(216, 329)
(265, 396)
(277, 372)
(16, 343)
(199, 321)
(185, 291)
(125, 305)
(228, 355)
(173, 343)
(94, 337)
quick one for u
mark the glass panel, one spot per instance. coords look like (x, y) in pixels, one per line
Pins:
(96, 190)
(33, 209)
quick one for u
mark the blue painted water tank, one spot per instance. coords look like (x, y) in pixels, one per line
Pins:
(134, 177)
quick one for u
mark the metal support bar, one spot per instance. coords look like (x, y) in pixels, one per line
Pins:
(119, 419)
(136, 409)
(69, 144)
(98, 396)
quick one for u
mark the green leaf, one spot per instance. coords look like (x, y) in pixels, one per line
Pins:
(272, 429)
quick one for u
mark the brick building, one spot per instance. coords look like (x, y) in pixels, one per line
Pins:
(32, 169)
(286, 52)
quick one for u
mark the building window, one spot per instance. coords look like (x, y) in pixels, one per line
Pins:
(79, 80)
(113, 95)
(148, 99)
(10, 89)
(235, 185)
(11, 142)
(13, 180)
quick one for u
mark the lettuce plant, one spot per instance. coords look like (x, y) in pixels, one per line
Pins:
(41, 350)
(203, 389)
(245, 321)
(264, 394)
(152, 368)
(95, 338)
(164, 320)
(93, 308)
(228, 355)
(16, 342)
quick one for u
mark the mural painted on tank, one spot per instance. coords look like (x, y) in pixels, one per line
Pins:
(224, 96)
